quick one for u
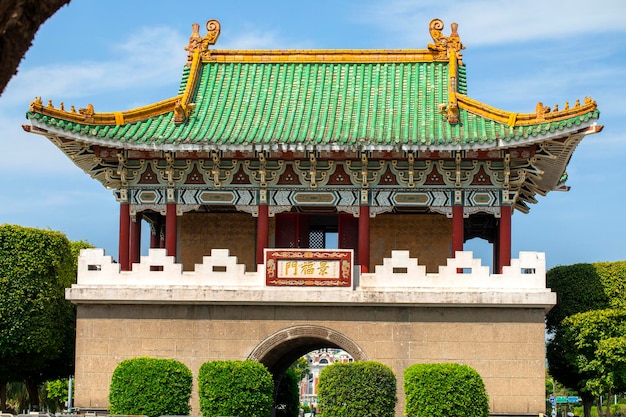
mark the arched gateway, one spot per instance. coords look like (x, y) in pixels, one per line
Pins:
(310, 198)
(279, 350)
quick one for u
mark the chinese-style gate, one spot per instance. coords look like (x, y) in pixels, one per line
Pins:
(375, 150)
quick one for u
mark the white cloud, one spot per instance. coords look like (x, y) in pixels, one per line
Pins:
(149, 58)
(489, 22)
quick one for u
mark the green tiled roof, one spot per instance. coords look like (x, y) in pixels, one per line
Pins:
(327, 104)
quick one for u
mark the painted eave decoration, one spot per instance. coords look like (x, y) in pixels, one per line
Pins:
(298, 101)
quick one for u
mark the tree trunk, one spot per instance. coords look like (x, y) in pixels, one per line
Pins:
(3, 397)
(33, 393)
(587, 404)
(19, 21)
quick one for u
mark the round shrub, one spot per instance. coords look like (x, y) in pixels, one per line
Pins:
(235, 388)
(150, 386)
(364, 389)
(444, 389)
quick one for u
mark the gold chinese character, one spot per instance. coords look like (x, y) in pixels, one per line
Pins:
(322, 269)
(307, 268)
(291, 265)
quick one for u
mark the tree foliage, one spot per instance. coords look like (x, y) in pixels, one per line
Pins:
(36, 322)
(288, 395)
(598, 340)
(365, 389)
(235, 388)
(300, 367)
(584, 288)
(150, 386)
(579, 288)
(444, 389)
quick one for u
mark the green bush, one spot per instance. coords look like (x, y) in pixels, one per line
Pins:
(363, 389)
(150, 386)
(235, 388)
(444, 389)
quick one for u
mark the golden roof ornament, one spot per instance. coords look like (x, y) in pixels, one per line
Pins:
(196, 42)
(443, 44)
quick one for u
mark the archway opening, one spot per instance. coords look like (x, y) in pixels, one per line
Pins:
(281, 349)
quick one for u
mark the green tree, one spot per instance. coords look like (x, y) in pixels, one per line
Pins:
(300, 367)
(37, 324)
(580, 288)
(288, 395)
(598, 340)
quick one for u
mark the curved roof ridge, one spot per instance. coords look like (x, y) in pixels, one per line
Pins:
(542, 114)
(87, 115)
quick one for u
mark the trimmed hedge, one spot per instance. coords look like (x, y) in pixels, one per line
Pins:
(235, 388)
(363, 389)
(150, 386)
(444, 389)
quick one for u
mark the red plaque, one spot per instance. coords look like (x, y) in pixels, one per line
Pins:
(308, 267)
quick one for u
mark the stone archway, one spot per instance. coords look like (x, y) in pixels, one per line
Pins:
(282, 348)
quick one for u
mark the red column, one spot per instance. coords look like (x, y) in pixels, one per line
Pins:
(161, 232)
(364, 238)
(123, 248)
(135, 239)
(504, 238)
(262, 234)
(155, 233)
(458, 229)
(170, 229)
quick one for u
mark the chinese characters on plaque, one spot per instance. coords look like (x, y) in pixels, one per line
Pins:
(308, 267)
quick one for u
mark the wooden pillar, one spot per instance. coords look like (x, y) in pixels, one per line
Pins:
(504, 238)
(170, 229)
(262, 233)
(124, 238)
(161, 231)
(458, 230)
(364, 238)
(155, 233)
(135, 239)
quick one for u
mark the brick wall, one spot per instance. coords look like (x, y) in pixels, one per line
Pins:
(201, 232)
(428, 237)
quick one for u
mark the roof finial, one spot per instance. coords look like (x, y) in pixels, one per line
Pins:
(213, 27)
(195, 41)
(443, 44)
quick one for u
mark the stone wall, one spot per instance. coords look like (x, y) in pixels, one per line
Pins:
(505, 345)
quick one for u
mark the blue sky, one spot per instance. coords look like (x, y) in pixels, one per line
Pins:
(119, 55)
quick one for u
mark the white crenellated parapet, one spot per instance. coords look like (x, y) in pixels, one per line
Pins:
(158, 269)
(400, 280)
(93, 264)
(461, 272)
(220, 270)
